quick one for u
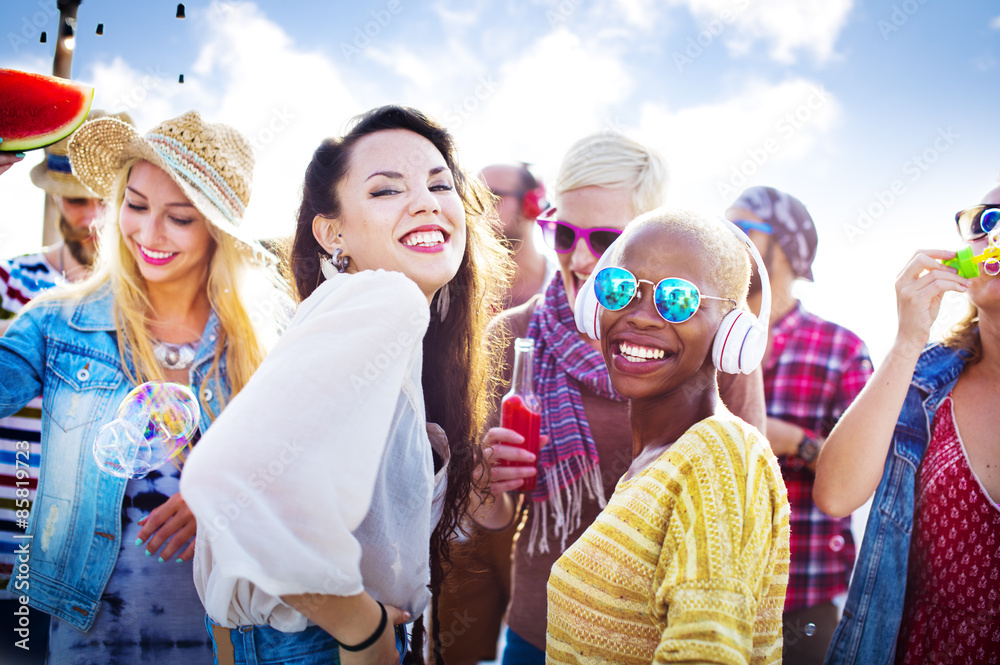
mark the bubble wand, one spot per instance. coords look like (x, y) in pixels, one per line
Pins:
(966, 261)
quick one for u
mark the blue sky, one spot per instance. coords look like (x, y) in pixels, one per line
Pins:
(884, 107)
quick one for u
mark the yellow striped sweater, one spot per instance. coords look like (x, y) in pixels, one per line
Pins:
(687, 563)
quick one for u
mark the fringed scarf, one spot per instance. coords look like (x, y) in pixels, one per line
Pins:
(568, 465)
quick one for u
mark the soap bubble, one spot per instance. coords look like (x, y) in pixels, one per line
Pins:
(154, 423)
(991, 266)
(121, 450)
(810, 629)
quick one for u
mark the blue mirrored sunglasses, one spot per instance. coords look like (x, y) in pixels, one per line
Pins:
(675, 299)
(976, 222)
(747, 225)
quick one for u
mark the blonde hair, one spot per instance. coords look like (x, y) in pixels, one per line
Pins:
(964, 336)
(724, 253)
(608, 159)
(244, 337)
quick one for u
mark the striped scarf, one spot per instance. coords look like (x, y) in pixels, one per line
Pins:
(568, 465)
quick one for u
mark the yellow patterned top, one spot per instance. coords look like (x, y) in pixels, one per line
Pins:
(687, 563)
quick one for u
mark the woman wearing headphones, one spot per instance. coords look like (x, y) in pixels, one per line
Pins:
(690, 556)
(605, 181)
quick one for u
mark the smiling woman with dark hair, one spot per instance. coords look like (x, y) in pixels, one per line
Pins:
(329, 496)
(689, 559)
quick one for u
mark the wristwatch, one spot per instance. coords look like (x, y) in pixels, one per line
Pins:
(808, 449)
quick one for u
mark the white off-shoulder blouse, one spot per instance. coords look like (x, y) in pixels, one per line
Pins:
(318, 477)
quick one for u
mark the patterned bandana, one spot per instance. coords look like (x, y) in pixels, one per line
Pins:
(568, 465)
(792, 225)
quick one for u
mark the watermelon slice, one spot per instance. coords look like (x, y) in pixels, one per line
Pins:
(37, 110)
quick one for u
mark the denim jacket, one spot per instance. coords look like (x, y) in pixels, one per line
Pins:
(867, 632)
(67, 352)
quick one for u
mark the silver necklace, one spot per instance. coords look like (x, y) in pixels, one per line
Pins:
(174, 356)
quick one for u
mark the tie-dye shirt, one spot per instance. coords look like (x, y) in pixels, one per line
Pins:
(150, 611)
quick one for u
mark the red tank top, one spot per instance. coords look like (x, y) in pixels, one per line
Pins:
(952, 608)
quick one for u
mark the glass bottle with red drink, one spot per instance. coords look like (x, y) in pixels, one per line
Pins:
(521, 410)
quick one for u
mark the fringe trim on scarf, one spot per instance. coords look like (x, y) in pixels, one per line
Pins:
(566, 504)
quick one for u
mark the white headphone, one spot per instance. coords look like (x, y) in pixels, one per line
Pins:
(741, 339)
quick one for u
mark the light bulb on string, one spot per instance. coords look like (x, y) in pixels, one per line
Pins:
(68, 34)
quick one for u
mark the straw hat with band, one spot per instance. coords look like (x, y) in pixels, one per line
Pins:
(54, 174)
(212, 164)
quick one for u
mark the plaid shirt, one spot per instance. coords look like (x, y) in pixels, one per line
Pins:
(813, 373)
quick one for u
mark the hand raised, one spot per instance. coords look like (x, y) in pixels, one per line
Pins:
(919, 289)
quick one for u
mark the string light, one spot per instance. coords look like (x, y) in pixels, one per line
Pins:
(180, 11)
(100, 28)
(69, 35)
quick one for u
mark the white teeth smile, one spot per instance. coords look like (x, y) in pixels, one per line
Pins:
(640, 354)
(424, 239)
(156, 255)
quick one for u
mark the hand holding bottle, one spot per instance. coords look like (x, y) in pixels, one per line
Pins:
(521, 410)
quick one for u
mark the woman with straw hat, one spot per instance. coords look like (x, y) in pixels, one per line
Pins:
(170, 299)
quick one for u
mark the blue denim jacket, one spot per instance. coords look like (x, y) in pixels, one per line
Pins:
(67, 351)
(867, 632)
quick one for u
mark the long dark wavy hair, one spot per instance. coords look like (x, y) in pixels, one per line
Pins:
(460, 364)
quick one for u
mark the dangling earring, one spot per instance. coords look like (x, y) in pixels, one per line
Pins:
(443, 302)
(332, 266)
(340, 260)
(326, 267)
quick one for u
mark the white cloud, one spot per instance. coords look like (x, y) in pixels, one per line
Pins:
(717, 149)
(284, 99)
(995, 23)
(636, 13)
(557, 91)
(788, 26)
(463, 17)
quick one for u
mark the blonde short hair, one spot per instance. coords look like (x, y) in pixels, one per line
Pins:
(726, 255)
(614, 161)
